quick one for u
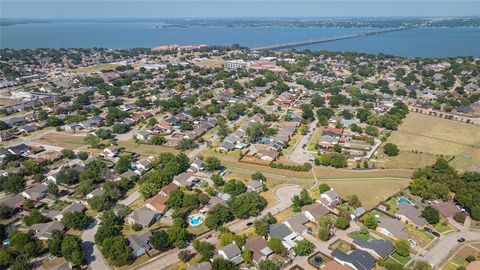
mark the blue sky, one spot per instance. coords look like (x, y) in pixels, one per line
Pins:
(232, 8)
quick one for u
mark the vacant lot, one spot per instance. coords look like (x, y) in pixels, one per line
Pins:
(145, 149)
(63, 140)
(96, 68)
(436, 136)
(369, 191)
(8, 101)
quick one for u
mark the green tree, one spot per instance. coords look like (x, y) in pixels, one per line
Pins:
(370, 221)
(247, 204)
(323, 188)
(276, 246)
(212, 164)
(422, 265)
(6, 259)
(217, 180)
(234, 187)
(177, 233)
(12, 184)
(93, 141)
(258, 176)
(342, 223)
(75, 220)
(304, 247)
(175, 199)
(221, 264)
(55, 244)
(53, 190)
(157, 140)
(431, 215)
(324, 233)
(34, 217)
(217, 216)
(391, 149)
(123, 164)
(68, 176)
(117, 251)
(72, 250)
(68, 153)
(159, 240)
(402, 248)
(204, 248)
(268, 265)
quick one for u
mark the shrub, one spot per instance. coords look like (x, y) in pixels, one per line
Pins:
(471, 258)
(137, 227)
(460, 217)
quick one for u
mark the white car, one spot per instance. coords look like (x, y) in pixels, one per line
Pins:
(412, 243)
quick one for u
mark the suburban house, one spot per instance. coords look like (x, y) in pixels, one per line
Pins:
(446, 209)
(410, 214)
(254, 186)
(232, 253)
(139, 243)
(196, 166)
(111, 151)
(258, 245)
(184, 180)
(35, 193)
(43, 231)
(95, 192)
(72, 208)
(381, 247)
(314, 212)
(329, 198)
(143, 216)
(357, 259)
(159, 202)
(392, 228)
(296, 223)
(281, 232)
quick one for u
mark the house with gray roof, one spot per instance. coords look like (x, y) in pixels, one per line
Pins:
(139, 243)
(314, 212)
(254, 186)
(281, 232)
(36, 192)
(380, 247)
(72, 208)
(296, 223)
(392, 228)
(357, 259)
(43, 231)
(143, 216)
(232, 253)
(408, 213)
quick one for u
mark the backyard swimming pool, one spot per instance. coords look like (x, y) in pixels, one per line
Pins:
(403, 200)
(196, 219)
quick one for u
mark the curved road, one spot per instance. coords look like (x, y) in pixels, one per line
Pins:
(446, 246)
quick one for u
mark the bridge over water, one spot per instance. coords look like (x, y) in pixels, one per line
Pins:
(324, 40)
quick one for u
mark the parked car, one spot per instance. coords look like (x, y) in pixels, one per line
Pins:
(249, 224)
(412, 243)
(436, 234)
(461, 240)
(428, 229)
(208, 236)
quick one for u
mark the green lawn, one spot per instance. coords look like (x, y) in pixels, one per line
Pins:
(358, 234)
(442, 227)
(401, 259)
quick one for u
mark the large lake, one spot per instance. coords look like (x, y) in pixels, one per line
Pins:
(422, 42)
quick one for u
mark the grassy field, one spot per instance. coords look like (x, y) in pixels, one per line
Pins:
(436, 136)
(63, 140)
(369, 197)
(145, 149)
(314, 139)
(8, 101)
(96, 68)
